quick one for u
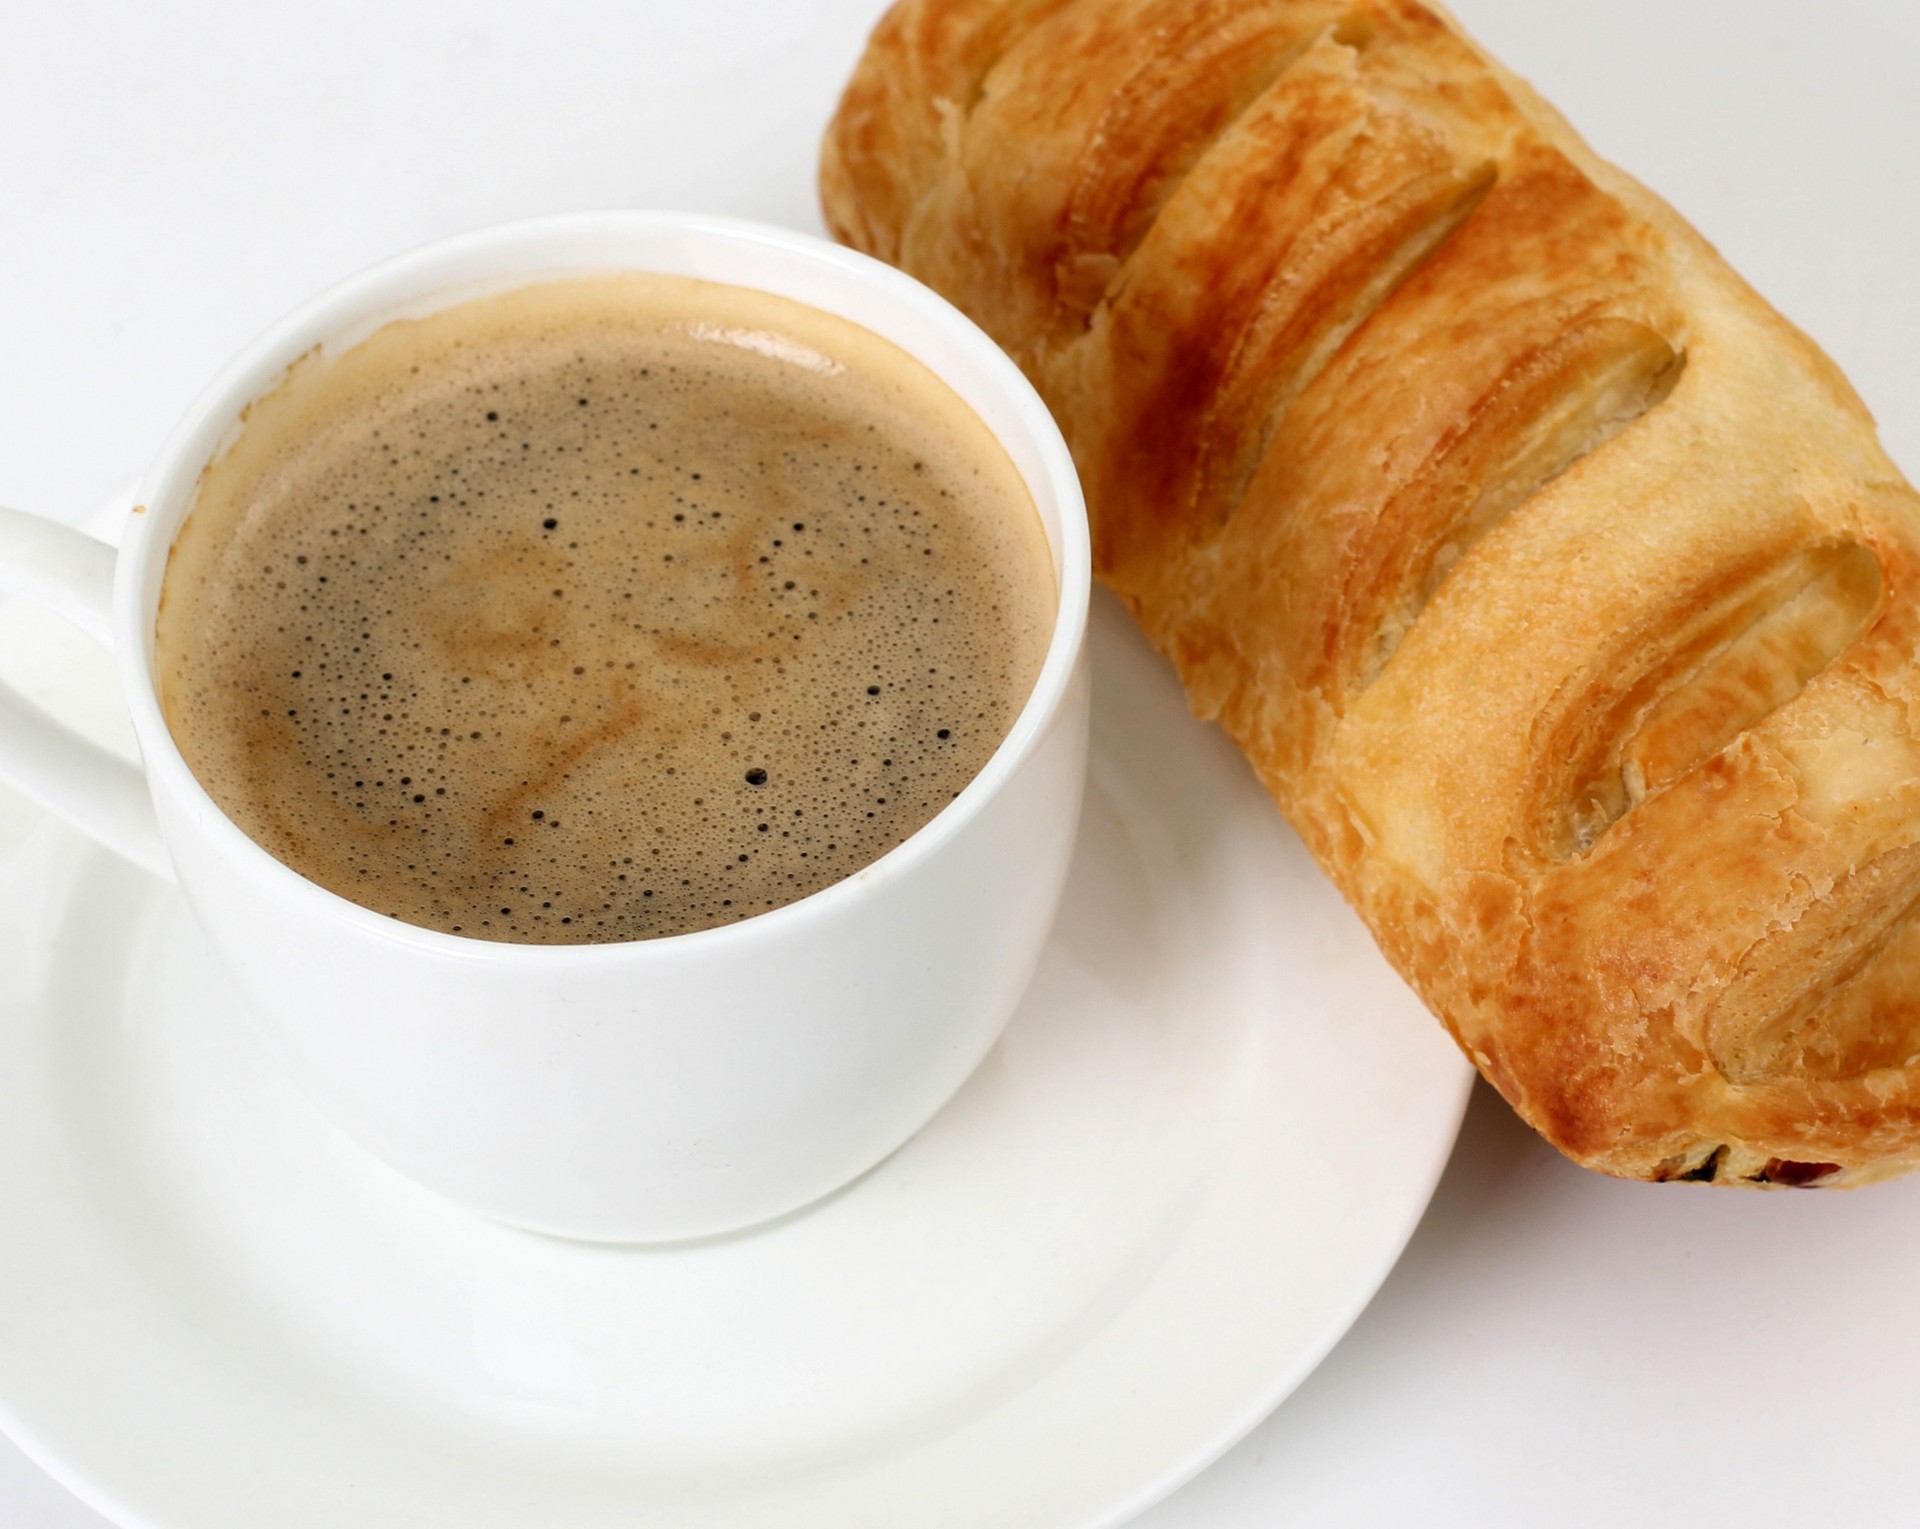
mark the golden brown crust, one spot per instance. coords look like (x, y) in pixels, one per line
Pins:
(1555, 585)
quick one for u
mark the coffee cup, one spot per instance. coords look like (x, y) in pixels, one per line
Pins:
(641, 1090)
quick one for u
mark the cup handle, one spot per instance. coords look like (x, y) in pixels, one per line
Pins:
(70, 574)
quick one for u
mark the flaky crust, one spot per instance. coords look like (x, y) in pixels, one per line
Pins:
(1557, 588)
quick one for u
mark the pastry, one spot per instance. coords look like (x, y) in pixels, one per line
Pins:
(1557, 587)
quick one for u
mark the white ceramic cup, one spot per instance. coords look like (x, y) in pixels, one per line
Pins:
(640, 1091)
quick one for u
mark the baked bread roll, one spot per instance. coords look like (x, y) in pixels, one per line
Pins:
(1556, 586)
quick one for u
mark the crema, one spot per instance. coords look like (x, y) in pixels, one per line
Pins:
(601, 609)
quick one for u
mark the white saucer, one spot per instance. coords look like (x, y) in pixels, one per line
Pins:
(1183, 1172)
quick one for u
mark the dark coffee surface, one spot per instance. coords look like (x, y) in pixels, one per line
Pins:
(599, 610)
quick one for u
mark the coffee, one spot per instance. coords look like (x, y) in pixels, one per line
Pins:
(601, 609)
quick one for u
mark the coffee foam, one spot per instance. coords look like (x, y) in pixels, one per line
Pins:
(602, 609)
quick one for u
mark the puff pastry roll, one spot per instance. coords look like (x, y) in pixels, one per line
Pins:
(1557, 587)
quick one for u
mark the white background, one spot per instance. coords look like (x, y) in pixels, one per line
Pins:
(1554, 1347)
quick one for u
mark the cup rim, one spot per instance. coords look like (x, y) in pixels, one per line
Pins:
(351, 301)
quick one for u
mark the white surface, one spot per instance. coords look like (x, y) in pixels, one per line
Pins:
(1161, 1199)
(1554, 1347)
